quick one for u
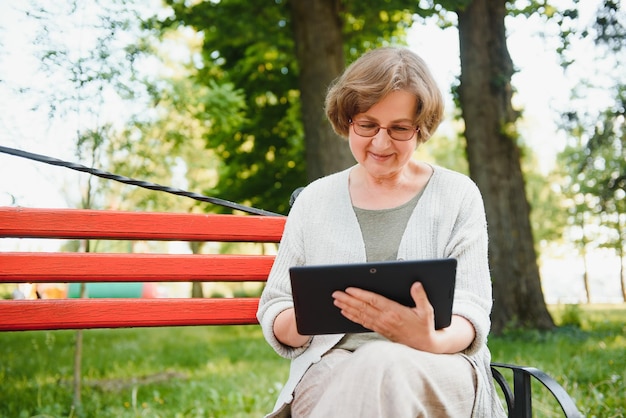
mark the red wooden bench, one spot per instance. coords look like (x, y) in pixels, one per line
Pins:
(71, 267)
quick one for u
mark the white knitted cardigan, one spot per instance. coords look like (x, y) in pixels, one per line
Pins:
(448, 222)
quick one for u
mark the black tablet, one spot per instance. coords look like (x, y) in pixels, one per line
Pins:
(313, 286)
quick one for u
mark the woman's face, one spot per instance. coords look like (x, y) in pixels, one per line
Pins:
(380, 155)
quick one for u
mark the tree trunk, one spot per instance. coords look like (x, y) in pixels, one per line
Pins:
(317, 29)
(196, 287)
(622, 256)
(586, 278)
(494, 160)
(583, 253)
(622, 273)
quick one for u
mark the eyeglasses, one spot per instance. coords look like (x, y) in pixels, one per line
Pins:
(369, 129)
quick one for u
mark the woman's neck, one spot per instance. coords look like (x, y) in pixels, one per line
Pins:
(369, 192)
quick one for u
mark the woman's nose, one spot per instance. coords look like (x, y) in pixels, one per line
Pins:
(382, 137)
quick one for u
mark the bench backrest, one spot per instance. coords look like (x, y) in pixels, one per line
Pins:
(74, 267)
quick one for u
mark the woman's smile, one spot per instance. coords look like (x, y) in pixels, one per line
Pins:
(379, 157)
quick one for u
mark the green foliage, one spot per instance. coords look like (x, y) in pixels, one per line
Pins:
(232, 372)
(6, 291)
(89, 55)
(445, 151)
(169, 145)
(548, 219)
(594, 174)
(571, 316)
(610, 25)
(594, 161)
(251, 46)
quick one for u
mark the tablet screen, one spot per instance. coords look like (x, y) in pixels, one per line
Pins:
(312, 288)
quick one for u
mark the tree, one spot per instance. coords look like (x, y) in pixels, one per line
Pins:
(606, 166)
(579, 203)
(241, 45)
(595, 165)
(170, 145)
(80, 80)
(597, 158)
(547, 216)
(485, 94)
(608, 144)
(324, 153)
(255, 47)
(284, 66)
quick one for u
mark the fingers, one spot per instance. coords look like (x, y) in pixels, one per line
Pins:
(419, 294)
(360, 306)
(411, 326)
(423, 308)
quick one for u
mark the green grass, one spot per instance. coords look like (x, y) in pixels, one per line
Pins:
(232, 372)
(587, 357)
(160, 372)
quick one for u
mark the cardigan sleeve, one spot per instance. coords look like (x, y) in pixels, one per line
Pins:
(277, 296)
(319, 230)
(449, 222)
(468, 243)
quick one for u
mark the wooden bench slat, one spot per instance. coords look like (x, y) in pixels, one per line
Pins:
(22, 267)
(123, 225)
(48, 314)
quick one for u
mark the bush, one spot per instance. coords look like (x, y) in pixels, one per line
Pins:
(571, 316)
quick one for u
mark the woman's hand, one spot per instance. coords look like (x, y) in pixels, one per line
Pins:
(286, 331)
(414, 327)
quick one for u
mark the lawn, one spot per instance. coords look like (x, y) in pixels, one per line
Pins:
(231, 372)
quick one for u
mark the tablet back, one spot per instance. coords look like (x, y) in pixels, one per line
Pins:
(312, 287)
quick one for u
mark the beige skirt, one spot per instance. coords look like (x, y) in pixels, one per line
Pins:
(385, 379)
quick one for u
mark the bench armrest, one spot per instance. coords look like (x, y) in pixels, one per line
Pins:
(519, 400)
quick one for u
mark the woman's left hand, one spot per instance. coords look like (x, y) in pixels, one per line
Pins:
(414, 326)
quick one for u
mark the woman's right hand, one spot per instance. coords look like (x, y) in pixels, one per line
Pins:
(286, 331)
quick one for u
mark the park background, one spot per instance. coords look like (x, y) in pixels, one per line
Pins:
(44, 111)
(543, 90)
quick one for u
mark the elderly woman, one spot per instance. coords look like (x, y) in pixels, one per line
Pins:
(388, 206)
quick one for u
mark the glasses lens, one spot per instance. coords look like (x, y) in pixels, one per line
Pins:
(401, 133)
(397, 132)
(365, 128)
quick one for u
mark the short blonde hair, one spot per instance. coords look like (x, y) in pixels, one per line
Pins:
(376, 74)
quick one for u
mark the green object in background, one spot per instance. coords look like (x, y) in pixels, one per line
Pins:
(107, 290)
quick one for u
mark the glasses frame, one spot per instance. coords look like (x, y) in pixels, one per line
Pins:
(378, 128)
